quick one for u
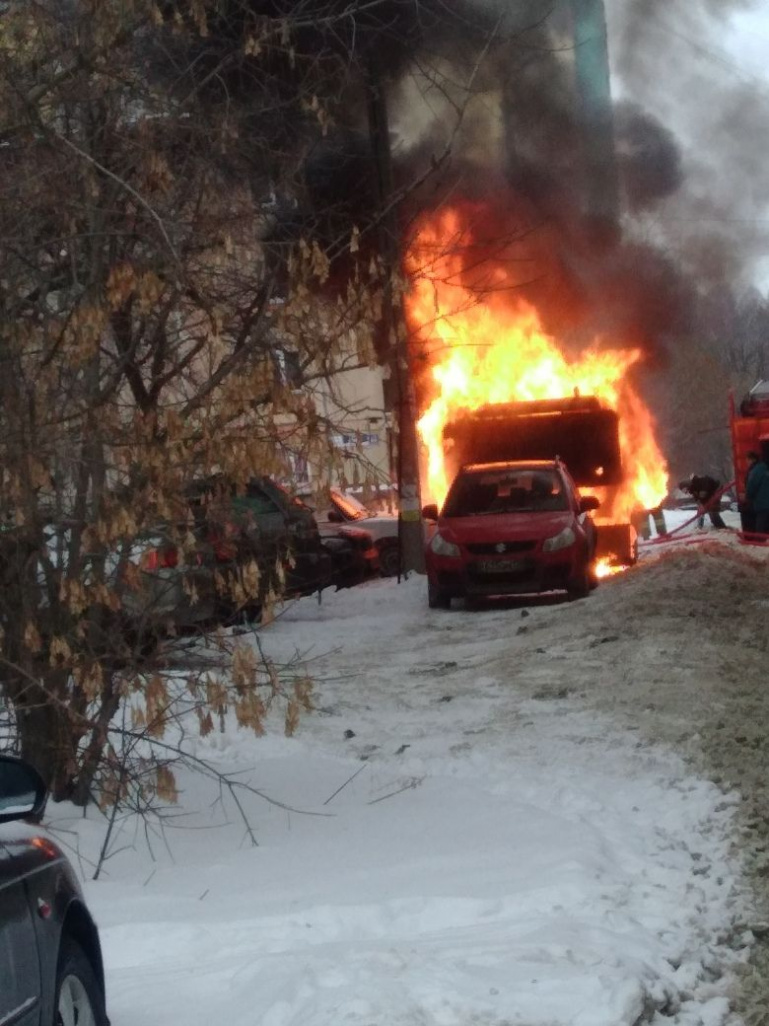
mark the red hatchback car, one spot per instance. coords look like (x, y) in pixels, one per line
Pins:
(511, 529)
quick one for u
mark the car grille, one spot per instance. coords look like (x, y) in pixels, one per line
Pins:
(483, 571)
(527, 573)
(493, 548)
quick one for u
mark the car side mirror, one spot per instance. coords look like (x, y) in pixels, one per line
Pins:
(335, 517)
(588, 503)
(430, 512)
(22, 791)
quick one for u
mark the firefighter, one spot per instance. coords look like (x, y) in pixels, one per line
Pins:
(703, 489)
(747, 511)
(757, 494)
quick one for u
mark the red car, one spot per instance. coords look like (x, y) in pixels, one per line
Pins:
(511, 529)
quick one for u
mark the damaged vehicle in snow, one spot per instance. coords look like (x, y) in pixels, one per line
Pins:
(346, 510)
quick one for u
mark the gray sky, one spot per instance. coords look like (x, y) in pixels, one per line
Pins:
(748, 43)
(706, 77)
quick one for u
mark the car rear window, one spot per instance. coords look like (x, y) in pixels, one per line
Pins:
(256, 503)
(220, 500)
(480, 493)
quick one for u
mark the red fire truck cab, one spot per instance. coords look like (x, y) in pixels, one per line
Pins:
(749, 431)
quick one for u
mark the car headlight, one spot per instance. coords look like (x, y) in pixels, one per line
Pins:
(562, 540)
(441, 547)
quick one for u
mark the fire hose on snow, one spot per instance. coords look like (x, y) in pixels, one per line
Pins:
(745, 537)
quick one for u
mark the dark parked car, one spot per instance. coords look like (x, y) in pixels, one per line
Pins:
(236, 534)
(51, 971)
(353, 552)
(510, 529)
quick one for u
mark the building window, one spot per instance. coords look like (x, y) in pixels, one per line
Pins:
(289, 368)
(356, 440)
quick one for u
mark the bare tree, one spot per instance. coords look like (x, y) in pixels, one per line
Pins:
(145, 299)
(187, 199)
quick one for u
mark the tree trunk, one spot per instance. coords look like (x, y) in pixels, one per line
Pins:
(49, 743)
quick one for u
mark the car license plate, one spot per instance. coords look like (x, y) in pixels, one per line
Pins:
(500, 566)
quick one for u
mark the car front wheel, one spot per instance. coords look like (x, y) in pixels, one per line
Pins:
(389, 560)
(79, 1000)
(437, 598)
(579, 586)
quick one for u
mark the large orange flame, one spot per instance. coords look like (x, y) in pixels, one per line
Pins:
(493, 349)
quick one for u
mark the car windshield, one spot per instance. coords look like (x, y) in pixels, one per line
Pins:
(349, 506)
(486, 492)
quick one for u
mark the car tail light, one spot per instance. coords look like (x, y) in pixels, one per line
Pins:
(46, 847)
(223, 543)
(160, 559)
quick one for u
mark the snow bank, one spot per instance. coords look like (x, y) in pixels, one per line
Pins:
(482, 848)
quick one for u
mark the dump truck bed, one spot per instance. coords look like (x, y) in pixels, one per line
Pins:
(578, 431)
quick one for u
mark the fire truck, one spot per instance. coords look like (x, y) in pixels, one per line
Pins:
(749, 424)
(577, 430)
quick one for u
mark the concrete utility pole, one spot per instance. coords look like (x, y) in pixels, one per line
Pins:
(399, 388)
(591, 53)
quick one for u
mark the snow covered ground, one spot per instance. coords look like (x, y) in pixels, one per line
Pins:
(481, 831)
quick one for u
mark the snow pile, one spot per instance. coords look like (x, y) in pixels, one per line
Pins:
(483, 846)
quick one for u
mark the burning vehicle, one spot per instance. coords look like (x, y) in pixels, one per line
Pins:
(577, 431)
(498, 387)
(512, 528)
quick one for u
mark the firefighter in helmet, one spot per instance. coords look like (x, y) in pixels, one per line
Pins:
(704, 488)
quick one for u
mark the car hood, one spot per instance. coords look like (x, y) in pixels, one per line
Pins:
(506, 526)
(380, 518)
(380, 525)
